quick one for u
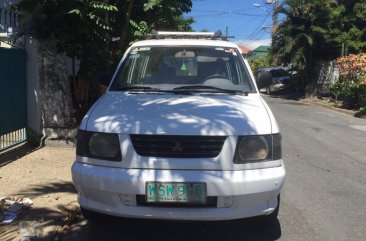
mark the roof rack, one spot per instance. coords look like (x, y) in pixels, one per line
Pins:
(187, 35)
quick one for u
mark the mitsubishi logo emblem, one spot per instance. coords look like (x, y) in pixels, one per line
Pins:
(177, 147)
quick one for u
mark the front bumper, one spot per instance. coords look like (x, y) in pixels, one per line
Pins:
(240, 194)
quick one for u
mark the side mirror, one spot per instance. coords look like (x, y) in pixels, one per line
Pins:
(263, 79)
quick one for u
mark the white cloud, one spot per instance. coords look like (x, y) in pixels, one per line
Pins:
(253, 44)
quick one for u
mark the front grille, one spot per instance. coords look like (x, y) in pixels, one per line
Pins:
(211, 202)
(178, 146)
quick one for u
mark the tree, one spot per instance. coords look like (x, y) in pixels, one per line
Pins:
(84, 29)
(260, 62)
(79, 28)
(316, 31)
(336, 27)
(148, 15)
(293, 40)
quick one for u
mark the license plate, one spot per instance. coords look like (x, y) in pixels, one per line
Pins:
(178, 192)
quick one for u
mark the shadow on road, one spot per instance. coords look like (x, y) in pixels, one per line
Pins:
(54, 219)
(113, 229)
(286, 94)
(69, 224)
(9, 156)
(49, 188)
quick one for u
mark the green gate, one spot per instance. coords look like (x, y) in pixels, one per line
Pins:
(13, 105)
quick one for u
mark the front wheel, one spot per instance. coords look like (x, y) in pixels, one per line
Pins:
(268, 90)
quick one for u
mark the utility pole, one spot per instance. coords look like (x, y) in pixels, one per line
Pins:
(275, 17)
(276, 5)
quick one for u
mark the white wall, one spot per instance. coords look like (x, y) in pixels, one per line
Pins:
(33, 112)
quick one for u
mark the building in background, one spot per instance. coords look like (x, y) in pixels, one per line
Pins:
(260, 51)
(246, 51)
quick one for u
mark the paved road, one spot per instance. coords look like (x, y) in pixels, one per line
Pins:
(324, 197)
(325, 156)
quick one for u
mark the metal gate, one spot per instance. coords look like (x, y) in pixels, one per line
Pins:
(13, 105)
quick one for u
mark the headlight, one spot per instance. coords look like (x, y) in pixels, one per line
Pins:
(258, 148)
(98, 145)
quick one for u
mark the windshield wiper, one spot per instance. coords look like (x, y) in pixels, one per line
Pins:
(208, 87)
(150, 89)
(137, 87)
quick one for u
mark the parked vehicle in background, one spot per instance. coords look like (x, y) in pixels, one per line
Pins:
(181, 133)
(280, 78)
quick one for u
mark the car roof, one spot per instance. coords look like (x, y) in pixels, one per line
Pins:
(186, 42)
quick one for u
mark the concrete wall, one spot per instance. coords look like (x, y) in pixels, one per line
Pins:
(33, 111)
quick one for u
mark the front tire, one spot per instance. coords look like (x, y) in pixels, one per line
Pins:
(268, 90)
(92, 216)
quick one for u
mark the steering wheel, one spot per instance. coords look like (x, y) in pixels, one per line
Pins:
(217, 79)
(215, 76)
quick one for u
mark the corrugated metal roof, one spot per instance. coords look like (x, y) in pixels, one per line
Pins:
(244, 49)
(262, 48)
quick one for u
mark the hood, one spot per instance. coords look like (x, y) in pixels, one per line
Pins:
(170, 114)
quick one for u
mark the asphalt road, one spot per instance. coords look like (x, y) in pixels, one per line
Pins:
(324, 197)
(325, 157)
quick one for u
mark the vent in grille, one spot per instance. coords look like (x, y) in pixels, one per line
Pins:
(178, 146)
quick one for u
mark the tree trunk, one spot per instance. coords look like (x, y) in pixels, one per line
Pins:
(127, 23)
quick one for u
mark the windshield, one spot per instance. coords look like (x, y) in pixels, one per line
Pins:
(197, 68)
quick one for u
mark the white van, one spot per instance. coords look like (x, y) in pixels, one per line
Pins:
(182, 133)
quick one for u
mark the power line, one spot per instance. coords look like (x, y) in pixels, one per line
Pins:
(217, 11)
(245, 24)
(226, 14)
(256, 29)
(260, 36)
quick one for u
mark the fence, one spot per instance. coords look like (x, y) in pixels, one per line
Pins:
(13, 105)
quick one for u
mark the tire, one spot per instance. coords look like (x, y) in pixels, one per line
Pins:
(92, 216)
(268, 90)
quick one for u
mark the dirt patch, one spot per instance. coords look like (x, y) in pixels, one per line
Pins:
(43, 175)
(333, 106)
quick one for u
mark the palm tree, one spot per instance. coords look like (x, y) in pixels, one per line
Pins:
(293, 40)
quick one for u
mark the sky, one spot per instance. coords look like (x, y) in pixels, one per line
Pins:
(251, 25)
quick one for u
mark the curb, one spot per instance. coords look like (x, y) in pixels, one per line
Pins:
(329, 107)
(60, 143)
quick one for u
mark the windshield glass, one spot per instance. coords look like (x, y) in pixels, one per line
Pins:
(168, 68)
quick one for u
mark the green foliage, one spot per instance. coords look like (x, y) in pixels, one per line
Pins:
(294, 40)
(348, 91)
(84, 28)
(81, 28)
(260, 62)
(141, 29)
(159, 15)
(318, 31)
(351, 86)
(149, 5)
(362, 110)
